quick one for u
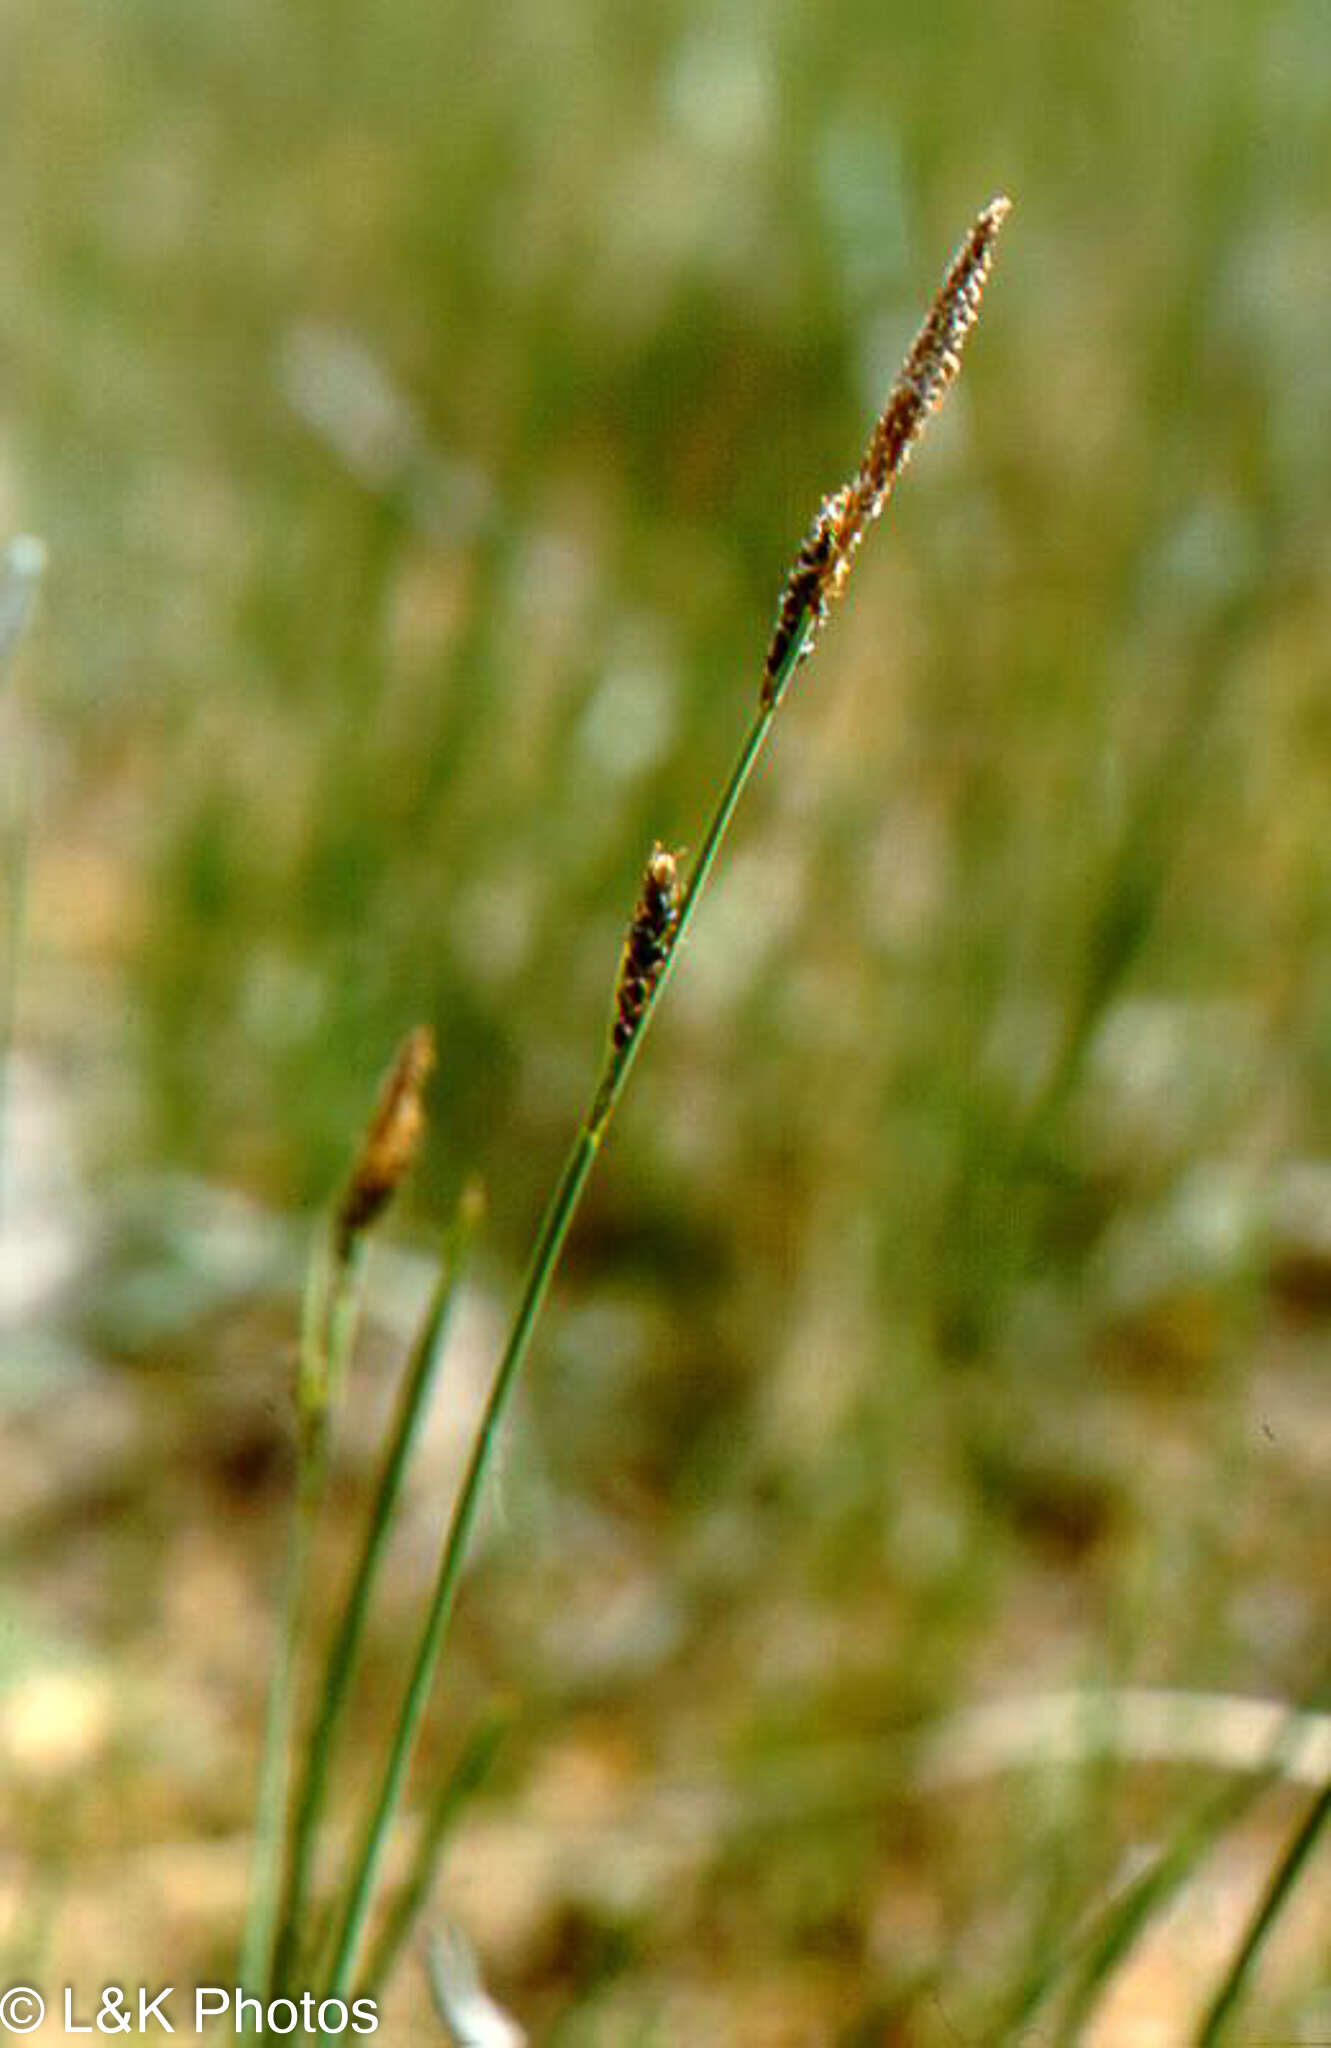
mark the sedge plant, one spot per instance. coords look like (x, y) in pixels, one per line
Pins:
(284, 1948)
(279, 1938)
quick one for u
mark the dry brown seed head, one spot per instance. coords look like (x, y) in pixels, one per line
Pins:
(391, 1141)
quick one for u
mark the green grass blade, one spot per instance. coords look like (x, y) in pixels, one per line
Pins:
(545, 1256)
(459, 1786)
(1283, 1880)
(271, 1801)
(328, 1333)
(1115, 1934)
(413, 1399)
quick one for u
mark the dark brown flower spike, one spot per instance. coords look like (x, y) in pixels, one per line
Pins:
(647, 948)
(390, 1144)
(823, 562)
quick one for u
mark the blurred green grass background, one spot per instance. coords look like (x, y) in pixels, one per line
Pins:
(421, 408)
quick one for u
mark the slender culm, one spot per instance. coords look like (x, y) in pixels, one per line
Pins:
(823, 562)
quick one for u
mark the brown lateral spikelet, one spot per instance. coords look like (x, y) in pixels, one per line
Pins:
(823, 562)
(647, 947)
(391, 1142)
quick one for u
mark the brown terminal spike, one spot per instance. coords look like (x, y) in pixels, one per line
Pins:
(391, 1141)
(823, 562)
(647, 948)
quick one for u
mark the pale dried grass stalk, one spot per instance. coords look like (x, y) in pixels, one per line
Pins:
(391, 1142)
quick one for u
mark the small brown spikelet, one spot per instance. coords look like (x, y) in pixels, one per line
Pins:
(806, 591)
(391, 1142)
(823, 562)
(647, 948)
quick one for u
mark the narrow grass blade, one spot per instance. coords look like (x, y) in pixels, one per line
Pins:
(1115, 1934)
(271, 1802)
(549, 1244)
(328, 1335)
(1283, 1880)
(413, 1400)
(1112, 1934)
(459, 1786)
